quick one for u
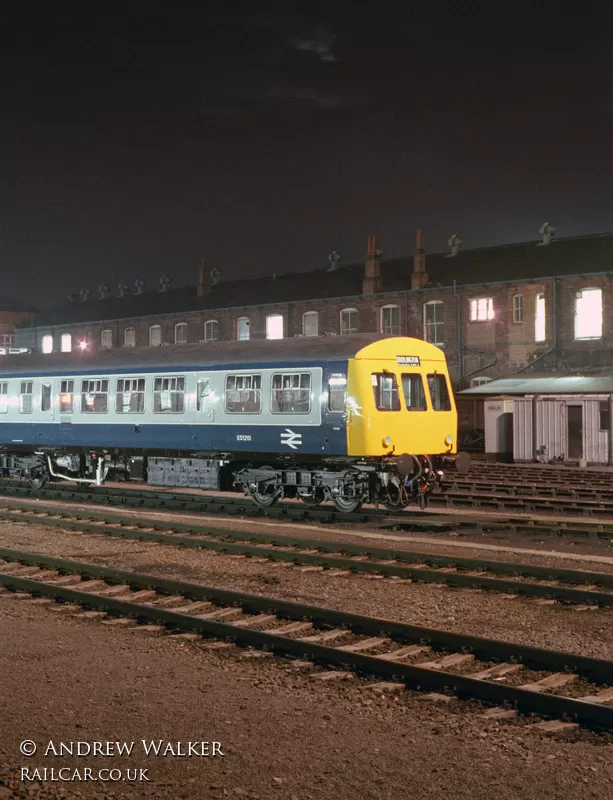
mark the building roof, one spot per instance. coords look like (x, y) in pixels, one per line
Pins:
(552, 384)
(514, 262)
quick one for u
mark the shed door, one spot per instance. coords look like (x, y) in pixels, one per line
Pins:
(574, 421)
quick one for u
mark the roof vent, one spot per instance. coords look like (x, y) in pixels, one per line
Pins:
(140, 285)
(334, 258)
(547, 231)
(105, 290)
(85, 293)
(165, 282)
(215, 276)
(123, 289)
(455, 245)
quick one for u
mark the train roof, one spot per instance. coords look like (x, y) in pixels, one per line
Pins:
(209, 354)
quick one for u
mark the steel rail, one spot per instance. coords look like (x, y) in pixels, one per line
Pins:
(239, 543)
(591, 714)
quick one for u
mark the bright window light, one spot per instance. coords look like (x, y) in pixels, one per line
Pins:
(539, 319)
(588, 314)
(48, 344)
(274, 326)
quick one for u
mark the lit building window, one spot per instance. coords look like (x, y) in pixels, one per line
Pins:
(518, 308)
(481, 309)
(539, 319)
(390, 320)
(211, 330)
(434, 322)
(349, 321)
(129, 337)
(274, 326)
(310, 323)
(588, 314)
(181, 333)
(155, 336)
(47, 345)
(106, 338)
(242, 329)
(66, 343)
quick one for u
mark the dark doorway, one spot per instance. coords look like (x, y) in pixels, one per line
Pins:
(575, 431)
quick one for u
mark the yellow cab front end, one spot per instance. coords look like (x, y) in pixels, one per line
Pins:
(399, 401)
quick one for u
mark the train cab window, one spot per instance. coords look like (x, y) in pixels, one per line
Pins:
(385, 388)
(130, 396)
(45, 397)
(203, 394)
(169, 395)
(25, 397)
(243, 394)
(439, 393)
(94, 396)
(413, 390)
(66, 397)
(291, 393)
(4, 397)
(337, 392)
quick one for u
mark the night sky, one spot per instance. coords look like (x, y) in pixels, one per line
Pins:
(138, 144)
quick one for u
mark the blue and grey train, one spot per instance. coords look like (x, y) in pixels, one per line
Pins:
(349, 419)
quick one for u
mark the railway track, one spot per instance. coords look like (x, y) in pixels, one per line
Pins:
(574, 587)
(545, 489)
(533, 680)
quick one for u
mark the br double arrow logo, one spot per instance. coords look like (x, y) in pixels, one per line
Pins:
(291, 439)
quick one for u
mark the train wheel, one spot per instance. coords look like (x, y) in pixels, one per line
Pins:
(38, 476)
(347, 505)
(269, 498)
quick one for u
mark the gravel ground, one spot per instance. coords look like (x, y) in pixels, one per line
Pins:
(284, 735)
(520, 620)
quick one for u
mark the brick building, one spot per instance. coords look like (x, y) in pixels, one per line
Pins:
(495, 310)
(11, 314)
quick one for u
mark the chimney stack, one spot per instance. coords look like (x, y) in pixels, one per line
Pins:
(204, 280)
(372, 269)
(419, 278)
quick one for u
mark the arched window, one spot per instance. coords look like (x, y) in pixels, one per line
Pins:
(66, 343)
(155, 336)
(588, 314)
(242, 329)
(310, 323)
(539, 319)
(349, 321)
(274, 326)
(106, 338)
(518, 308)
(129, 337)
(390, 320)
(211, 330)
(47, 343)
(434, 322)
(181, 333)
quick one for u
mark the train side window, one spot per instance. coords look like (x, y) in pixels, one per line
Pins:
(95, 396)
(4, 397)
(169, 395)
(291, 393)
(385, 388)
(66, 397)
(337, 392)
(413, 389)
(130, 397)
(25, 397)
(45, 397)
(243, 394)
(439, 393)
